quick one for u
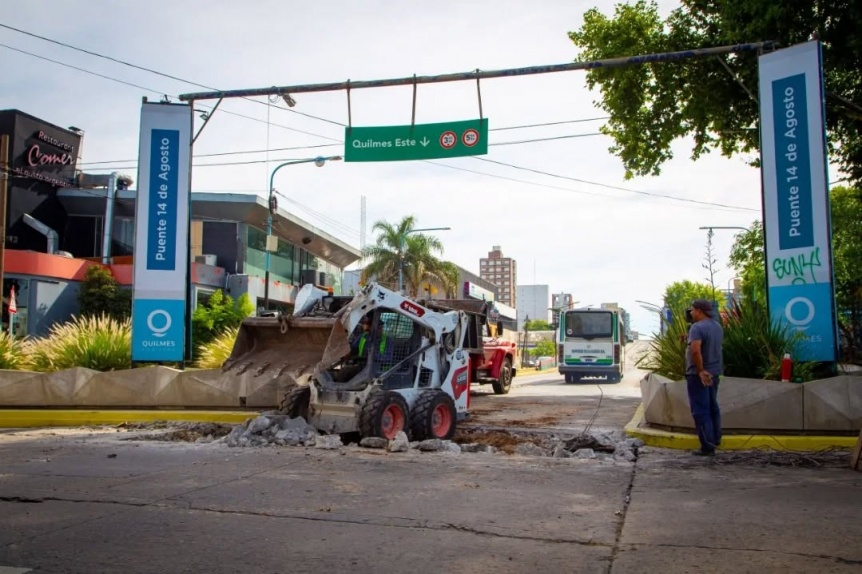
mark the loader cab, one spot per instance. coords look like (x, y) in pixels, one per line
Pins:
(395, 337)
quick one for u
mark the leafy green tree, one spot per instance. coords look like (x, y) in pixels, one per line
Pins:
(100, 294)
(747, 259)
(217, 315)
(713, 100)
(537, 325)
(397, 245)
(679, 295)
(847, 257)
(544, 349)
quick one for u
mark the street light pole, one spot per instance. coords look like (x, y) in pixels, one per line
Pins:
(403, 246)
(270, 206)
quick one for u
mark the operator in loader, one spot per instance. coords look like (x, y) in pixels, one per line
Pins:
(360, 342)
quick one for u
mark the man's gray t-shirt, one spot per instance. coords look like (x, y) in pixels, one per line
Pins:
(711, 335)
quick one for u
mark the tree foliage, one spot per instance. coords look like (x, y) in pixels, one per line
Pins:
(217, 315)
(397, 245)
(747, 258)
(712, 100)
(537, 325)
(101, 295)
(544, 349)
(679, 295)
(847, 257)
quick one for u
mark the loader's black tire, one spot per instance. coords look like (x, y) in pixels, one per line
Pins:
(295, 402)
(383, 415)
(433, 416)
(503, 385)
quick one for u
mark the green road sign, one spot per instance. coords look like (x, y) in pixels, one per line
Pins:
(421, 141)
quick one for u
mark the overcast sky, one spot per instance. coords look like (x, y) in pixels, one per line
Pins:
(598, 243)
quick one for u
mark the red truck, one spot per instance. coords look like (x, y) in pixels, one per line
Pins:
(492, 358)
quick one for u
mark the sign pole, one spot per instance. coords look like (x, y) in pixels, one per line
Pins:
(4, 190)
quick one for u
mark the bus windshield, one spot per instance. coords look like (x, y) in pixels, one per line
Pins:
(589, 324)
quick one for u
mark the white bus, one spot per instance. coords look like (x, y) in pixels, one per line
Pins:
(591, 343)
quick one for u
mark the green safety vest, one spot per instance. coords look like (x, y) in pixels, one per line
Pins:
(364, 337)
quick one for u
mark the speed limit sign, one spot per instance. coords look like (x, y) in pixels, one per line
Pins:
(470, 137)
(448, 140)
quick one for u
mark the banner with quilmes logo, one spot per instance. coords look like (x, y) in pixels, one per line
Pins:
(161, 234)
(796, 198)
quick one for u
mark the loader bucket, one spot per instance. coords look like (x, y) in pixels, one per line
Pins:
(280, 352)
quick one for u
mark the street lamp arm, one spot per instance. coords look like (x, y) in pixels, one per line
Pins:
(724, 227)
(319, 162)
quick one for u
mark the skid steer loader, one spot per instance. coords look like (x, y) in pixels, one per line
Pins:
(388, 364)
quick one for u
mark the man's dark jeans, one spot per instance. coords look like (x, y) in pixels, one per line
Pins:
(704, 410)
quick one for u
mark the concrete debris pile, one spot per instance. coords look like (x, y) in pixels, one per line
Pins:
(281, 430)
(604, 445)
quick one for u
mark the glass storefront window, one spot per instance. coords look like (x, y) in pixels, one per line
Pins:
(282, 264)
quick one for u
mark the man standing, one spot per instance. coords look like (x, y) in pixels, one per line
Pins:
(703, 367)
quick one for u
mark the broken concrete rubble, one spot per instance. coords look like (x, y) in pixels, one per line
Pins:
(273, 429)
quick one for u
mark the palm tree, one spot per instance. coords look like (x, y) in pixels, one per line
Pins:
(418, 259)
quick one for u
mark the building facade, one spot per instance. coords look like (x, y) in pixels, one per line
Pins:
(60, 221)
(502, 272)
(534, 302)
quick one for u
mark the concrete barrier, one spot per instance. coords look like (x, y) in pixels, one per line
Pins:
(833, 404)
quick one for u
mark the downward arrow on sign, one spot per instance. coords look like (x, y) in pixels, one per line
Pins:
(424, 142)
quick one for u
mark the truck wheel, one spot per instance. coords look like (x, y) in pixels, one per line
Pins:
(295, 402)
(433, 416)
(383, 415)
(504, 383)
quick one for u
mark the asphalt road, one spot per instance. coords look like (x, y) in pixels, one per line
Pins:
(81, 501)
(543, 400)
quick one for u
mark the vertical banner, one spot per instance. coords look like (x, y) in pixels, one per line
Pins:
(161, 234)
(796, 198)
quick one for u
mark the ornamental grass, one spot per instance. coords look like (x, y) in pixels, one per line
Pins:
(13, 353)
(212, 354)
(100, 343)
(753, 347)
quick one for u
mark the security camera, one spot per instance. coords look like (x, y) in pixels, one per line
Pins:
(288, 100)
(306, 240)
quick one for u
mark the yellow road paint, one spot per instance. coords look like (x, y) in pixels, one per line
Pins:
(30, 418)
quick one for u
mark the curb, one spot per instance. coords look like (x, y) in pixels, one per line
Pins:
(30, 418)
(686, 441)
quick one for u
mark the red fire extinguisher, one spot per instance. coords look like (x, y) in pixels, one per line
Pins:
(786, 368)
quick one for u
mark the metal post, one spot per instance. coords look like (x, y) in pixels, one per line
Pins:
(109, 219)
(4, 178)
(319, 162)
(285, 91)
(401, 264)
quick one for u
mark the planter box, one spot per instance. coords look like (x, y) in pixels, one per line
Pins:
(751, 404)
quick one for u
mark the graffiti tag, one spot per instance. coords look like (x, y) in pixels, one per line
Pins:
(800, 267)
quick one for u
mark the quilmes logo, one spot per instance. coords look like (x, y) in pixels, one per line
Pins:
(799, 312)
(159, 322)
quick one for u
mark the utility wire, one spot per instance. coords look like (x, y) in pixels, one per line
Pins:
(625, 189)
(153, 91)
(150, 70)
(568, 189)
(338, 142)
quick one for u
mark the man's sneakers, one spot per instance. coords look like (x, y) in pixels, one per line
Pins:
(700, 452)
